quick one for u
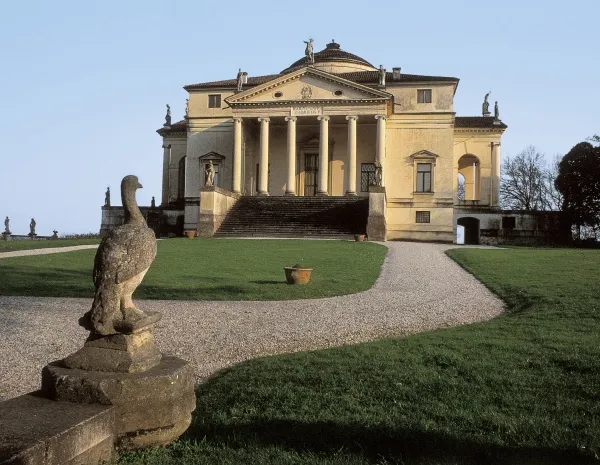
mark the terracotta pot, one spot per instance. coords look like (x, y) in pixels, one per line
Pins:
(190, 234)
(297, 275)
(359, 237)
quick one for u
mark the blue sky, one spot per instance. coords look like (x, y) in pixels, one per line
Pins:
(84, 85)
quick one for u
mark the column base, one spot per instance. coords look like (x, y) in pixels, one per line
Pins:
(290, 193)
(263, 194)
(351, 194)
(322, 194)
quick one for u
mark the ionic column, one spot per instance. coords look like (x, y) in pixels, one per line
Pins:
(351, 162)
(291, 152)
(263, 177)
(323, 155)
(237, 155)
(380, 150)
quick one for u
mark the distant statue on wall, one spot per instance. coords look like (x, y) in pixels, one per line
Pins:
(32, 227)
(7, 225)
(153, 203)
(309, 50)
(107, 197)
(381, 76)
(210, 174)
(168, 116)
(55, 234)
(485, 108)
(496, 111)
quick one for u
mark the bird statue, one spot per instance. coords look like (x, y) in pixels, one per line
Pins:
(122, 260)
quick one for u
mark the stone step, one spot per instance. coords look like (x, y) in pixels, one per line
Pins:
(36, 430)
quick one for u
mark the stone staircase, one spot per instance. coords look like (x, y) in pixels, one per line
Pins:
(322, 217)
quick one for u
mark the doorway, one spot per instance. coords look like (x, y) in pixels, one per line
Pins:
(471, 230)
(311, 170)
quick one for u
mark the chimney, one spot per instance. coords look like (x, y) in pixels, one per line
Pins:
(395, 74)
(244, 78)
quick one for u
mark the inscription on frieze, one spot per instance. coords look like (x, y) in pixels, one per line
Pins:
(306, 111)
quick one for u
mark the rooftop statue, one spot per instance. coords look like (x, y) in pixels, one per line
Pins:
(187, 107)
(7, 225)
(107, 197)
(32, 227)
(496, 111)
(122, 260)
(168, 116)
(381, 76)
(485, 108)
(309, 50)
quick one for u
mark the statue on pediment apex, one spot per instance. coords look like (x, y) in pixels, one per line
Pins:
(309, 50)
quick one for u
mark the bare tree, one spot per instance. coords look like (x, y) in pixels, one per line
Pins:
(554, 198)
(523, 181)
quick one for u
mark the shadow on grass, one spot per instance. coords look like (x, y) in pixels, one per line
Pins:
(56, 282)
(376, 443)
(266, 281)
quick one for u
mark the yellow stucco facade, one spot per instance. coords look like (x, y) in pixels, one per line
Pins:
(322, 127)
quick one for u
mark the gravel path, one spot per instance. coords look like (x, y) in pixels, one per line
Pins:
(46, 251)
(419, 289)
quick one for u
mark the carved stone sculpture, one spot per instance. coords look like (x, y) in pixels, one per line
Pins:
(485, 107)
(120, 364)
(153, 203)
(309, 50)
(7, 226)
(187, 107)
(168, 116)
(378, 174)
(496, 112)
(210, 174)
(240, 79)
(32, 227)
(107, 197)
(381, 76)
(122, 260)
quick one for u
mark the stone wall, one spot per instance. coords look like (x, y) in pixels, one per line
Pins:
(165, 222)
(215, 203)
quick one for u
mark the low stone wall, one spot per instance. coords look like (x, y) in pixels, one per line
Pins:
(23, 237)
(215, 203)
(165, 222)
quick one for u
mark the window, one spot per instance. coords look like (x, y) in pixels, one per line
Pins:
(423, 217)
(423, 177)
(509, 222)
(424, 96)
(278, 94)
(214, 101)
(367, 176)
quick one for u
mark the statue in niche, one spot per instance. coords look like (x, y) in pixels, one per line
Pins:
(107, 197)
(168, 116)
(381, 76)
(7, 225)
(496, 111)
(309, 50)
(210, 174)
(485, 108)
(32, 227)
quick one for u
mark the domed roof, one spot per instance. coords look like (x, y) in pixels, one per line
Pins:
(331, 53)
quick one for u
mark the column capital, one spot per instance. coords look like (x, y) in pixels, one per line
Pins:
(382, 117)
(264, 119)
(166, 146)
(352, 117)
(291, 118)
(237, 119)
(323, 118)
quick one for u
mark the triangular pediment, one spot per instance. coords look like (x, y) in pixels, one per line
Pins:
(307, 85)
(424, 154)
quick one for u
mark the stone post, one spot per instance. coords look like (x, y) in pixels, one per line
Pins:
(323, 155)
(290, 188)
(237, 156)
(351, 160)
(263, 178)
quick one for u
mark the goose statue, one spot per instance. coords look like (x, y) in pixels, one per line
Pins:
(122, 260)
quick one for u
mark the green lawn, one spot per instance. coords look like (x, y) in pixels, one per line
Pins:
(210, 269)
(523, 388)
(11, 246)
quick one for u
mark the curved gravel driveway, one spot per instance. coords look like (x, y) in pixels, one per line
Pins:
(419, 289)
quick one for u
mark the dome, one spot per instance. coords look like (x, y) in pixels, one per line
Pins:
(334, 60)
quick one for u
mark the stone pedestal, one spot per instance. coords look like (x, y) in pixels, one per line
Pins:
(152, 407)
(376, 226)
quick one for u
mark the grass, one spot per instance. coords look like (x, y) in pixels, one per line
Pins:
(523, 388)
(12, 246)
(210, 269)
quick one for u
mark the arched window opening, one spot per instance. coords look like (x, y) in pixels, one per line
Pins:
(460, 187)
(469, 169)
(181, 179)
